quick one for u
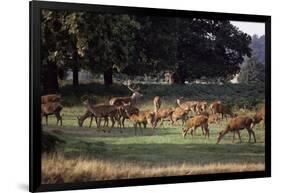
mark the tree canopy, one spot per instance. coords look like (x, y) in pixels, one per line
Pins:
(137, 45)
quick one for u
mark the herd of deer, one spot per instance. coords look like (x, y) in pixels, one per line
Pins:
(121, 108)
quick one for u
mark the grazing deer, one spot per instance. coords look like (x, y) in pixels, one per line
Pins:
(103, 111)
(235, 125)
(179, 113)
(86, 115)
(119, 101)
(52, 108)
(50, 98)
(195, 122)
(259, 116)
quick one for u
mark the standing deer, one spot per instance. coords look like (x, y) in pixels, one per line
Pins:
(50, 98)
(52, 108)
(259, 116)
(195, 122)
(119, 101)
(188, 105)
(103, 111)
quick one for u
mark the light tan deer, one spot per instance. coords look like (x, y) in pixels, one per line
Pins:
(178, 114)
(119, 101)
(52, 108)
(195, 122)
(235, 125)
(138, 118)
(214, 118)
(188, 105)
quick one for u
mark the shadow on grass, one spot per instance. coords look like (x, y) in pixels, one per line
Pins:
(161, 154)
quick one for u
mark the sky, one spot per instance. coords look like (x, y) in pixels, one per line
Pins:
(250, 28)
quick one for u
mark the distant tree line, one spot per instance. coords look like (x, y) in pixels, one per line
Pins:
(136, 45)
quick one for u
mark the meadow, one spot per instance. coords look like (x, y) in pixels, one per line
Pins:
(88, 154)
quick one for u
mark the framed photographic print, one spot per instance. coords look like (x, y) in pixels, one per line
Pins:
(125, 96)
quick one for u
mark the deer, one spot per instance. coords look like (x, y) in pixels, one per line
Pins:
(86, 115)
(138, 118)
(164, 114)
(222, 109)
(235, 125)
(188, 105)
(50, 98)
(118, 101)
(214, 104)
(52, 108)
(156, 103)
(195, 122)
(201, 106)
(259, 116)
(123, 115)
(179, 113)
(103, 111)
(213, 118)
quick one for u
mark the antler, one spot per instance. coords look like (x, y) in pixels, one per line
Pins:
(130, 88)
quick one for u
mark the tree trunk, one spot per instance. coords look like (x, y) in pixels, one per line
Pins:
(107, 75)
(50, 79)
(175, 78)
(75, 76)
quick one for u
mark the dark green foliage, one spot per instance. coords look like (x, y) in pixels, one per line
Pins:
(50, 141)
(258, 48)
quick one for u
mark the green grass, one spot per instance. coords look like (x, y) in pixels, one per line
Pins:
(165, 145)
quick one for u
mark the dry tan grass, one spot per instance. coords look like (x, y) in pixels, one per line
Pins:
(56, 168)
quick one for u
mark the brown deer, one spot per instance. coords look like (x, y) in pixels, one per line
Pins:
(52, 108)
(259, 116)
(195, 122)
(123, 115)
(119, 101)
(179, 113)
(50, 98)
(201, 106)
(235, 125)
(103, 111)
(156, 104)
(222, 109)
(214, 118)
(138, 118)
(86, 115)
(164, 114)
(214, 104)
(188, 105)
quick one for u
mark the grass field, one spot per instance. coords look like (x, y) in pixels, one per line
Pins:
(91, 155)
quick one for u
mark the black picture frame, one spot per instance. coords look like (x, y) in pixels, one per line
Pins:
(35, 100)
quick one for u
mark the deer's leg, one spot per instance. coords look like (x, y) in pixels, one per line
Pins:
(238, 132)
(46, 117)
(91, 120)
(254, 136)
(207, 131)
(135, 127)
(250, 135)
(233, 137)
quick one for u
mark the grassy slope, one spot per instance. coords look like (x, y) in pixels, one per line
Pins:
(166, 148)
